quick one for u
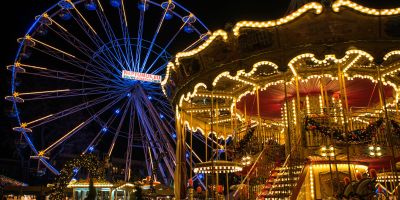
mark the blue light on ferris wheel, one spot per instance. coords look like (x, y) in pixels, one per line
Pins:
(91, 148)
(201, 176)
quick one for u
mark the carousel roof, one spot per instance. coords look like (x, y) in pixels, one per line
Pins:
(309, 44)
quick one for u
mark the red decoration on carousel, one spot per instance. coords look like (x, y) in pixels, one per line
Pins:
(336, 95)
(380, 190)
(199, 189)
(220, 189)
(190, 183)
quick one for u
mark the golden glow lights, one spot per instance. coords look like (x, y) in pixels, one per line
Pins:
(321, 107)
(327, 151)
(375, 151)
(308, 105)
(246, 161)
(218, 33)
(261, 63)
(86, 185)
(249, 84)
(370, 11)
(221, 121)
(218, 167)
(311, 181)
(236, 78)
(359, 54)
(294, 110)
(390, 54)
(253, 24)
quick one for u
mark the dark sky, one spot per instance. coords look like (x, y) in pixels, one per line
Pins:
(214, 13)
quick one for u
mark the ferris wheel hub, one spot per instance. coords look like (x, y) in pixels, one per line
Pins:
(132, 75)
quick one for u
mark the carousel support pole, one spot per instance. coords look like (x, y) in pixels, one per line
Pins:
(258, 114)
(234, 124)
(288, 146)
(217, 146)
(205, 174)
(332, 142)
(212, 146)
(396, 101)
(298, 110)
(191, 152)
(322, 94)
(226, 159)
(179, 176)
(348, 116)
(245, 111)
(343, 96)
(388, 131)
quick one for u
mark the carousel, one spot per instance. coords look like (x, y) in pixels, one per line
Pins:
(301, 107)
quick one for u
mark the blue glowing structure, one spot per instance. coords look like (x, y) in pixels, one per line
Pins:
(91, 5)
(83, 53)
(115, 3)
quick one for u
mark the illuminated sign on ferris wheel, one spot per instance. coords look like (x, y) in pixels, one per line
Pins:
(141, 76)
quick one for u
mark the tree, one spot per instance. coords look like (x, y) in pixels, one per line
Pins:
(92, 191)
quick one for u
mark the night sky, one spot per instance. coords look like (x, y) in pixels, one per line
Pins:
(214, 13)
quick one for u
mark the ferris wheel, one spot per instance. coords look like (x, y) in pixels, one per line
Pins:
(86, 78)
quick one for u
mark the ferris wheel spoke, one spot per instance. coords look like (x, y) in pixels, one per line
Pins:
(160, 68)
(74, 61)
(152, 145)
(110, 150)
(166, 47)
(149, 131)
(49, 118)
(86, 27)
(202, 140)
(139, 40)
(128, 159)
(155, 36)
(194, 153)
(195, 43)
(161, 127)
(118, 52)
(51, 94)
(147, 103)
(80, 126)
(126, 35)
(60, 75)
(57, 53)
(146, 150)
(93, 36)
(64, 34)
(101, 132)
